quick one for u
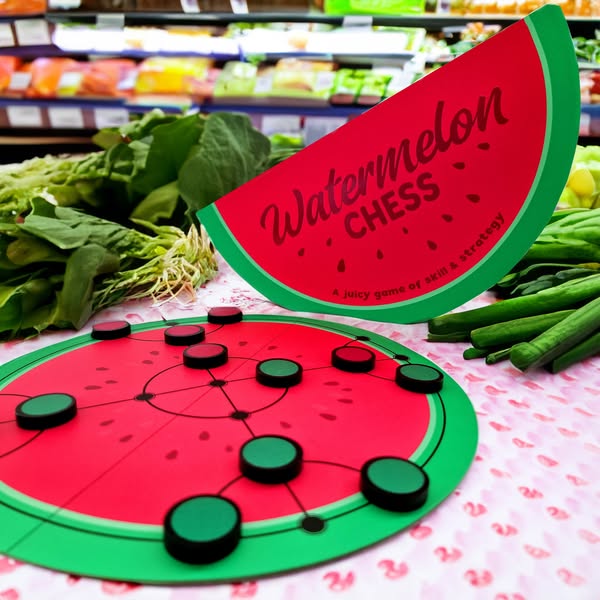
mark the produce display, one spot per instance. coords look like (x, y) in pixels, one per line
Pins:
(549, 314)
(583, 185)
(78, 234)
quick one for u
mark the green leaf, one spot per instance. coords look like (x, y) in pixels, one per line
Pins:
(170, 147)
(158, 204)
(30, 250)
(17, 302)
(75, 298)
(55, 231)
(230, 153)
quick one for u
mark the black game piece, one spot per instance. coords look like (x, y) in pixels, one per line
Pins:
(394, 483)
(111, 330)
(353, 359)
(202, 529)
(419, 378)
(46, 411)
(271, 459)
(184, 335)
(225, 315)
(205, 356)
(278, 372)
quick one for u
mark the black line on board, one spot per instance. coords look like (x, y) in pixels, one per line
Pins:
(186, 389)
(162, 371)
(20, 395)
(441, 433)
(31, 439)
(130, 337)
(380, 377)
(287, 529)
(235, 408)
(285, 391)
(215, 329)
(177, 414)
(296, 499)
(228, 485)
(246, 358)
(333, 464)
(105, 403)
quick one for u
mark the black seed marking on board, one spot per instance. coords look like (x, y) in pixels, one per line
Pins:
(228, 448)
(346, 389)
(405, 230)
(341, 266)
(459, 165)
(363, 338)
(328, 242)
(483, 146)
(301, 252)
(92, 387)
(379, 254)
(204, 436)
(345, 400)
(327, 416)
(144, 396)
(400, 357)
(332, 383)
(101, 368)
(271, 347)
(447, 218)
(432, 245)
(474, 198)
(126, 438)
(154, 352)
(171, 455)
(148, 362)
(105, 423)
(110, 381)
(242, 343)
(284, 424)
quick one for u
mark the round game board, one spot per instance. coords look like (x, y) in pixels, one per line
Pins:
(222, 448)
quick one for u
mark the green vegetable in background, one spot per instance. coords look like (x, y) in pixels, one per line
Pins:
(70, 239)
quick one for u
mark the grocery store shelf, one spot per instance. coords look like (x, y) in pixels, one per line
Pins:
(430, 21)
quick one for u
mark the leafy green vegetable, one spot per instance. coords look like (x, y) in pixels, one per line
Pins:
(230, 153)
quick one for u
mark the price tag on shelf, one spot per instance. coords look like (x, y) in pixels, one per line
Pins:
(110, 117)
(19, 81)
(7, 39)
(317, 127)
(24, 116)
(64, 4)
(357, 21)
(190, 6)
(65, 117)
(271, 124)
(239, 7)
(32, 32)
(113, 21)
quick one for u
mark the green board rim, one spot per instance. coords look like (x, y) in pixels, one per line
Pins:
(102, 548)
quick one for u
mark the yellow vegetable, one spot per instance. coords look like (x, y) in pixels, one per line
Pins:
(582, 183)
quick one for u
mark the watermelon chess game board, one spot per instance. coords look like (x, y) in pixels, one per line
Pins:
(222, 447)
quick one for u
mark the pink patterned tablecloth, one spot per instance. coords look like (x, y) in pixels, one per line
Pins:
(524, 523)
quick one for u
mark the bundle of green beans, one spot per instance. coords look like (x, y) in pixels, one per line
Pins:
(550, 314)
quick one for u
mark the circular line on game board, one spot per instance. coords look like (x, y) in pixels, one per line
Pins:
(144, 390)
(332, 464)
(31, 439)
(442, 432)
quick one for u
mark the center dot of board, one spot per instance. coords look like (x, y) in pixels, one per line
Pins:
(218, 383)
(240, 415)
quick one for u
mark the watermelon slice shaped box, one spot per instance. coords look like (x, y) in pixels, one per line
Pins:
(424, 201)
